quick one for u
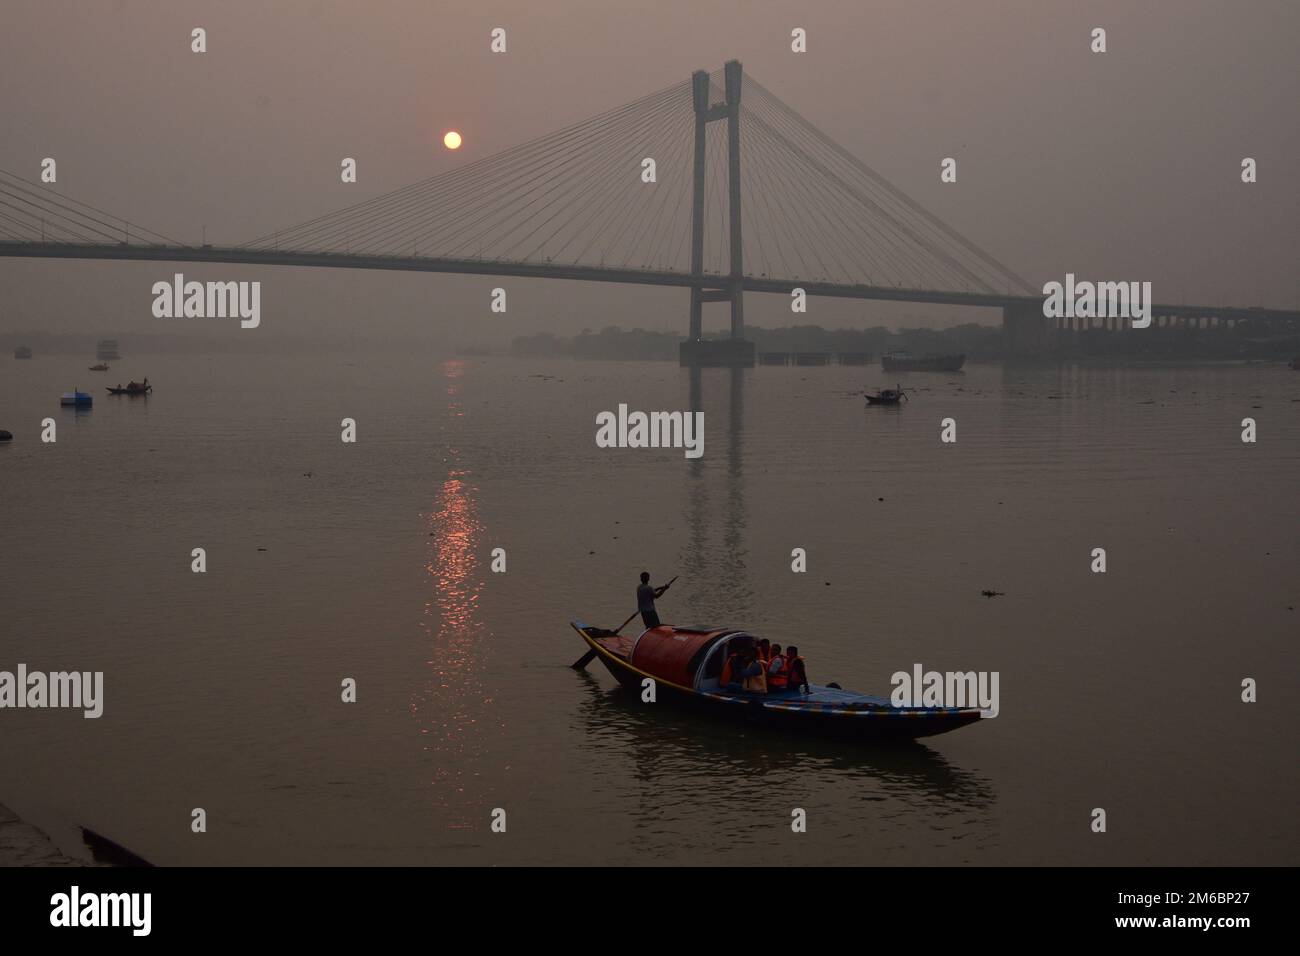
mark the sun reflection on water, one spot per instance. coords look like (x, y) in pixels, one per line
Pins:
(453, 702)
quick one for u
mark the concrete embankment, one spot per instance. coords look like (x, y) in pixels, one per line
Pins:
(22, 844)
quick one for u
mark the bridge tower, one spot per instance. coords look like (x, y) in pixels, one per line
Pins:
(697, 350)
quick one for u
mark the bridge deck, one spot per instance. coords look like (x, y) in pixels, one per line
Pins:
(492, 267)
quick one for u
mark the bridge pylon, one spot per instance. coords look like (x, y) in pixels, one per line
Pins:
(736, 350)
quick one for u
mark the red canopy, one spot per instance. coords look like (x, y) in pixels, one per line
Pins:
(666, 653)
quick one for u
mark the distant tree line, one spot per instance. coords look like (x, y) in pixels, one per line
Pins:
(978, 342)
(613, 342)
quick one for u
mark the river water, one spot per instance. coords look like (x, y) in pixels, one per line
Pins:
(372, 561)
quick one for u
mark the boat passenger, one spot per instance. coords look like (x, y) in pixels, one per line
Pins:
(764, 649)
(754, 674)
(777, 676)
(797, 678)
(730, 678)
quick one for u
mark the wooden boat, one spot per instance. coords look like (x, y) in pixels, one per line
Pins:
(77, 399)
(105, 850)
(887, 396)
(101, 367)
(907, 362)
(685, 663)
(131, 390)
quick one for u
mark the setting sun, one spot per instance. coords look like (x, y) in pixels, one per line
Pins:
(451, 140)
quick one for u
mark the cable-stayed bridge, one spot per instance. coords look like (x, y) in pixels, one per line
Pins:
(712, 185)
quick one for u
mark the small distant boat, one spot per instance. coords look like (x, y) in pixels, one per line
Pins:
(22, 352)
(6, 436)
(887, 396)
(101, 367)
(78, 399)
(133, 388)
(106, 349)
(907, 362)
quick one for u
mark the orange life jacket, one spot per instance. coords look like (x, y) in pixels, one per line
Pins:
(777, 679)
(725, 679)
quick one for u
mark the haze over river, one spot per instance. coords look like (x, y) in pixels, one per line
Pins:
(328, 560)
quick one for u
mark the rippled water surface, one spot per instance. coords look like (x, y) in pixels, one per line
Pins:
(327, 560)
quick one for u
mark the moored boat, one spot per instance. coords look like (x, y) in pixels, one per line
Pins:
(686, 664)
(907, 362)
(77, 399)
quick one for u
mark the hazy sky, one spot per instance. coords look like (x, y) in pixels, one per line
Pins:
(1123, 165)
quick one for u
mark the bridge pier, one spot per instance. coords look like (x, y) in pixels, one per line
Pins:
(1025, 330)
(736, 350)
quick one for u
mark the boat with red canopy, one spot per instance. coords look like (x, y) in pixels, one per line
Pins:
(686, 665)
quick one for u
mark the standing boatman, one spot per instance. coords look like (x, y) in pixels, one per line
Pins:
(645, 600)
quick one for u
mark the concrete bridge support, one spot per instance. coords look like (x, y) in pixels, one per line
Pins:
(1026, 331)
(697, 350)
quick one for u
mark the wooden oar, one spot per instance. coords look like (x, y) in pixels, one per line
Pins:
(583, 661)
(588, 657)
